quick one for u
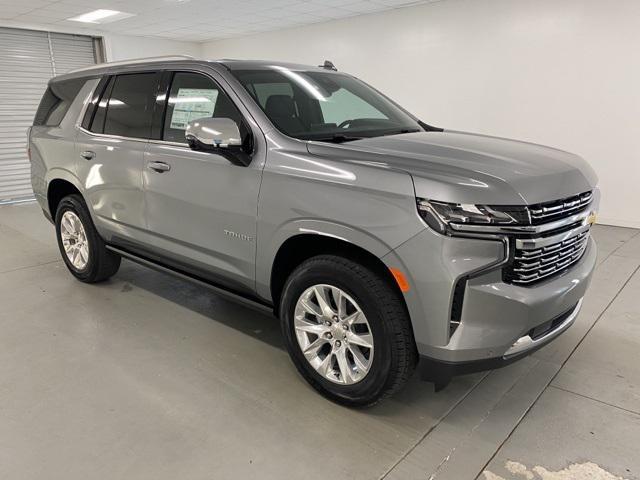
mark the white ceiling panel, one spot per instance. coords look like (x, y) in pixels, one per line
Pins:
(193, 20)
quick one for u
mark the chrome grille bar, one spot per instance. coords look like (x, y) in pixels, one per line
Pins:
(562, 208)
(538, 258)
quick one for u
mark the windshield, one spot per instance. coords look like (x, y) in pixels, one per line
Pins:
(323, 106)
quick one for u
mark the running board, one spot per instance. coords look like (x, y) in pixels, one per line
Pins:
(249, 302)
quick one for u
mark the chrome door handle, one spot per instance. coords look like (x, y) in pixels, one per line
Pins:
(88, 155)
(159, 166)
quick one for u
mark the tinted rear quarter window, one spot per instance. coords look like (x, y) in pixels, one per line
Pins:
(56, 101)
(97, 124)
(129, 109)
(93, 102)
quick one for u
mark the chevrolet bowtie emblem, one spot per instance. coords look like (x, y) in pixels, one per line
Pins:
(591, 219)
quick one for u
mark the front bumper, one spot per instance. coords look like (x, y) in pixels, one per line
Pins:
(440, 372)
(496, 318)
(496, 315)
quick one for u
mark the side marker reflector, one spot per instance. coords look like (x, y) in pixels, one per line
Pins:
(401, 280)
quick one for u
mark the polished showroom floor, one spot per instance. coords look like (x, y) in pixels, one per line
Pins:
(150, 377)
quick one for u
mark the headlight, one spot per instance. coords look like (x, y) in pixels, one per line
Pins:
(439, 215)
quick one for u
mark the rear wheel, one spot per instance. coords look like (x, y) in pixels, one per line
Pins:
(81, 247)
(347, 330)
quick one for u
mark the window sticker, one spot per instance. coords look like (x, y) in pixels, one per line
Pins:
(192, 103)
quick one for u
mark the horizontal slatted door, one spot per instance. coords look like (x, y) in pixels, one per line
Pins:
(71, 52)
(25, 69)
(28, 59)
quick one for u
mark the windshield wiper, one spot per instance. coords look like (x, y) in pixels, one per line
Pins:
(337, 138)
(403, 130)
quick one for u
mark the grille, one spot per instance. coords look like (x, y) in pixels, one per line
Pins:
(548, 211)
(531, 264)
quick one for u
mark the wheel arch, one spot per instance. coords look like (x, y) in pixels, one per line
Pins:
(60, 183)
(56, 191)
(302, 246)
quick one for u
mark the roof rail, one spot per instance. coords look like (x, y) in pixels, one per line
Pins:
(133, 61)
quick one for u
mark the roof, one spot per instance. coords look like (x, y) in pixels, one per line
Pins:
(230, 64)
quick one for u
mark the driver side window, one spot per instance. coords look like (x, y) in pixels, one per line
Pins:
(194, 96)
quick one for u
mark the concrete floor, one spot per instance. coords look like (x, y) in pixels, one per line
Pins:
(150, 377)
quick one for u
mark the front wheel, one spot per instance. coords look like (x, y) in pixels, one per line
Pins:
(347, 330)
(82, 249)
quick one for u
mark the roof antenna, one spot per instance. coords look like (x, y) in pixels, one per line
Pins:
(328, 65)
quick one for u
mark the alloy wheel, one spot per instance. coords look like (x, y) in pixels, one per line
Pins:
(74, 240)
(333, 334)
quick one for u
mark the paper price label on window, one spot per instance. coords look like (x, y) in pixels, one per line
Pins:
(192, 103)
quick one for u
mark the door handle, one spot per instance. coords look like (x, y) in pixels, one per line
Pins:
(159, 166)
(88, 155)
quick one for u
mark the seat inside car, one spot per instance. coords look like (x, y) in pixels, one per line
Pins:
(282, 109)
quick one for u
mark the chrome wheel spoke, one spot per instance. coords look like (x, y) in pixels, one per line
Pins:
(323, 368)
(340, 301)
(84, 253)
(66, 224)
(323, 301)
(343, 366)
(308, 327)
(325, 317)
(358, 358)
(310, 308)
(363, 340)
(311, 351)
(353, 318)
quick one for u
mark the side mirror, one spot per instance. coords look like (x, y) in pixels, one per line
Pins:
(219, 135)
(209, 133)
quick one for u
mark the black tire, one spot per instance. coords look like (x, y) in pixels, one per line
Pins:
(102, 263)
(395, 354)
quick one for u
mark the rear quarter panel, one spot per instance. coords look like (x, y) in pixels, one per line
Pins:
(53, 149)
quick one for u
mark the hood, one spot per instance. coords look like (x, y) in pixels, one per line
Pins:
(469, 168)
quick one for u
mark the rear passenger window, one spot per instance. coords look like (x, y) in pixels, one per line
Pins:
(195, 96)
(129, 110)
(56, 102)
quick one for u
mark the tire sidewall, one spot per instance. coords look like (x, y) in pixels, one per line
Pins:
(73, 204)
(342, 277)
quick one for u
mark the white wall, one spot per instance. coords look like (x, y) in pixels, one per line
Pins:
(123, 47)
(559, 72)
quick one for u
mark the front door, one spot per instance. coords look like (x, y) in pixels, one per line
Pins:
(201, 208)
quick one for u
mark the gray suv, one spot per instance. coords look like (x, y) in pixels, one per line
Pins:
(381, 242)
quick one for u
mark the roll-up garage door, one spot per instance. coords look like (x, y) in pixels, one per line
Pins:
(28, 59)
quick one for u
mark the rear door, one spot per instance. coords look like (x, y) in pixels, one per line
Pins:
(110, 149)
(200, 207)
